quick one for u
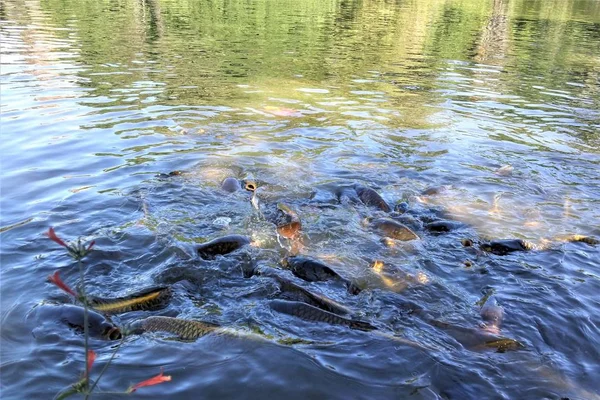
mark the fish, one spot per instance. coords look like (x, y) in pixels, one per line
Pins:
(476, 339)
(149, 299)
(310, 313)
(287, 222)
(347, 195)
(183, 328)
(443, 226)
(492, 314)
(505, 170)
(221, 246)
(401, 208)
(73, 316)
(506, 246)
(313, 271)
(585, 239)
(467, 242)
(291, 291)
(503, 345)
(231, 185)
(170, 174)
(393, 229)
(400, 280)
(371, 198)
(433, 190)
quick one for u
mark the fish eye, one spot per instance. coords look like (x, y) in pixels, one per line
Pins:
(250, 186)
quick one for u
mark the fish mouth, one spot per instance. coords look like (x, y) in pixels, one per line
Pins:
(250, 186)
(113, 333)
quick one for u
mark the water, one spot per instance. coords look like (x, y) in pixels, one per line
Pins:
(99, 97)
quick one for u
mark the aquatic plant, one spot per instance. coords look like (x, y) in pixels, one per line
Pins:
(79, 251)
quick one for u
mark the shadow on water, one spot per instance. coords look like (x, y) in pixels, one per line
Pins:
(494, 104)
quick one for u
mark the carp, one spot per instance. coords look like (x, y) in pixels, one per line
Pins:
(492, 315)
(73, 316)
(584, 239)
(503, 345)
(149, 299)
(371, 198)
(313, 271)
(232, 184)
(443, 226)
(287, 222)
(291, 291)
(183, 328)
(220, 246)
(310, 313)
(395, 230)
(506, 246)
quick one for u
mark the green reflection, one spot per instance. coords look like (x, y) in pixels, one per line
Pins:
(384, 61)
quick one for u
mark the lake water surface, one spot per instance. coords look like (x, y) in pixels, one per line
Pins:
(98, 97)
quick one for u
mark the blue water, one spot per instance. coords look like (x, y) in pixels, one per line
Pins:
(97, 98)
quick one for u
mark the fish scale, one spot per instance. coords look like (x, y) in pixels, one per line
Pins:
(147, 300)
(185, 329)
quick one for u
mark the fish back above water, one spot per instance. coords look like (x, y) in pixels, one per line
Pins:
(287, 221)
(73, 316)
(231, 185)
(150, 299)
(592, 241)
(299, 293)
(395, 230)
(492, 314)
(443, 226)
(347, 195)
(313, 271)
(371, 198)
(309, 269)
(221, 246)
(314, 314)
(183, 328)
(506, 246)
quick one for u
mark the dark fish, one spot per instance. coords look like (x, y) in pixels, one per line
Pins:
(170, 174)
(291, 291)
(73, 316)
(476, 339)
(314, 271)
(393, 229)
(401, 208)
(310, 313)
(221, 246)
(347, 195)
(231, 185)
(504, 344)
(492, 314)
(287, 221)
(467, 242)
(503, 247)
(433, 190)
(371, 198)
(443, 226)
(150, 299)
(585, 239)
(183, 328)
